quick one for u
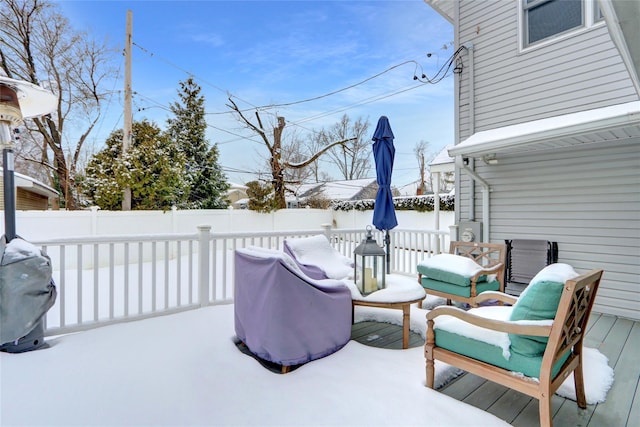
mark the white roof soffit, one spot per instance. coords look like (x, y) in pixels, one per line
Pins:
(622, 17)
(23, 181)
(613, 123)
(443, 7)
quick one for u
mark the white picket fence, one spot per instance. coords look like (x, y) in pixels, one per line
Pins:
(103, 280)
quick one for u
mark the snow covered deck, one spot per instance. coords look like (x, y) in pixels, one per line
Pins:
(618, 339)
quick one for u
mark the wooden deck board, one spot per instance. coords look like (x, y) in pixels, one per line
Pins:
(462, 387)
(569, 414)
(383, 335)
(634, 413)
(509, 405)
(615, 340)
(486, 395)
(615, 411)
(528, 417)
(598, 330)
(618, 339)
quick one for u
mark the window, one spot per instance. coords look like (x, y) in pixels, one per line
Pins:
(545, 20)
(597, 12)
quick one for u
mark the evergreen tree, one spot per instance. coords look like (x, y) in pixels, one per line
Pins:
(153, 169)
(261, 197)
(207, 182)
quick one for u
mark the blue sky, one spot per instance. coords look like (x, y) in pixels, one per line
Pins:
(277, 52)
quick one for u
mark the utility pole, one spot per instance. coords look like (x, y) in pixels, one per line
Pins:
(126, 131)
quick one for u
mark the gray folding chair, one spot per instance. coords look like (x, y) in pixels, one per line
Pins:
(525, 258)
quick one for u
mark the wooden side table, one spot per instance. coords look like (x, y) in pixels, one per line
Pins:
(400, 293)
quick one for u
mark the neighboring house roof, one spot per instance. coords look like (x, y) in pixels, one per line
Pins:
(443, 162)
(409, 189)
(337, 190)
(33, 185)
(302, 190)
(236, 186)
(346, 190)
(613, 123)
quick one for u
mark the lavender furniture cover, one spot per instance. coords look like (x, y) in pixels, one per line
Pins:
(317, 258)
(312, 271)
(282, 315)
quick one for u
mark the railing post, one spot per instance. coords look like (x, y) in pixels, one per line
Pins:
(94, 220)
(327, 230)
(204, 238)
(174, 220)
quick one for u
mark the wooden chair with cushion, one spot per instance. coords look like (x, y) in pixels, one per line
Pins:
(468, 269)
(540, 338)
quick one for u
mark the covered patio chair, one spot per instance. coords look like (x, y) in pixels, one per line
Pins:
(531, 347)
(283, 316)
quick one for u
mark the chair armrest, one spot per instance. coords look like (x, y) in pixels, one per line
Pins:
(483, 322)
(494, 295)
(494, 269)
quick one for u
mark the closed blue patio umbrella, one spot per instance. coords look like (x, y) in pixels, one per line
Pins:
(384, 214)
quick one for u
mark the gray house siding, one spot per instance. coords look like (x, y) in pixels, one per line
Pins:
(580, 72)
(576, 198)
(586, 198)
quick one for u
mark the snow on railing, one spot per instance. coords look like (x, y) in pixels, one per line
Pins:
(114, 279)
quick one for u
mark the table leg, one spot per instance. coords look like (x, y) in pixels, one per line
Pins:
(406, 310)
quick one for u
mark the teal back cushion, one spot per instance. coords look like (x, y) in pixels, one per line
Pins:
(539, 301)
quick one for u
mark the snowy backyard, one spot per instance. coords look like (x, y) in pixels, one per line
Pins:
(184, 369)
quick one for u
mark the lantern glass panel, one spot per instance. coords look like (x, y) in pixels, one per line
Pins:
(369, 264)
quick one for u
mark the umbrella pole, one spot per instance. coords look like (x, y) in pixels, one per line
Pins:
(387, 242)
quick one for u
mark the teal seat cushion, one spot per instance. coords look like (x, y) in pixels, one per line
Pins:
(450, 268)
(462, 291)
(539, 301)
(492, 354)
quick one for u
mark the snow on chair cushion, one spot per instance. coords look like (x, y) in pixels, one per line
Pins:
(539, 301)
(312, 271)
(316, 253)
(450, 268)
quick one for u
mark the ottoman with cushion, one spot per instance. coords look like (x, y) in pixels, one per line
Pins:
(468, 270)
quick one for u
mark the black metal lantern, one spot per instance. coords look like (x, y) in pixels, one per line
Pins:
(368, 265)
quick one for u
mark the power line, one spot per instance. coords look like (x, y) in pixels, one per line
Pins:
(315, 98)
(437, 78)
(423, 79)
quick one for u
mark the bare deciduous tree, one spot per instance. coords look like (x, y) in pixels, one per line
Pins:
(314, 143)
(420, 150)
(295, 151)
(38, 45)
(352, 158)
(277, 162)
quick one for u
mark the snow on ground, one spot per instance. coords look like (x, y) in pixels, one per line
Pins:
(184, 369)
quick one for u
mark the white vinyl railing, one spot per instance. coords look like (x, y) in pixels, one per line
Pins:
(113, 279)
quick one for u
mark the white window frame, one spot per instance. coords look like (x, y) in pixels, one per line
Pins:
(590, 20)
